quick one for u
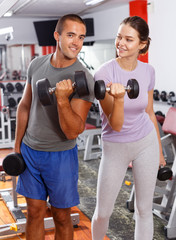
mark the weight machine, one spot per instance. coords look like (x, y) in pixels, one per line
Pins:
(5, 125)
(9, 197)
(164, 202)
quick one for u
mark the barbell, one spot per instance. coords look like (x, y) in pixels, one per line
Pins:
(132, 89)
(45, 92)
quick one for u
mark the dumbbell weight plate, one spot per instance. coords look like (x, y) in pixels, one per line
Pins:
(81, 83)
(13, 164)
(164, 173)
(45, 97)
(99, 89)
(134, 88)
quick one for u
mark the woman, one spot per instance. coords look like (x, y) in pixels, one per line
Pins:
(129, 131)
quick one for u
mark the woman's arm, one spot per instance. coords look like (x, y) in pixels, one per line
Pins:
(113, 106)
(152, 116)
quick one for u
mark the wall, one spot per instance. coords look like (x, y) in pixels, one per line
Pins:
(105, 24)
(162, 22)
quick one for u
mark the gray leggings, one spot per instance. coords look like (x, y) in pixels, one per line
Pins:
(144, 155)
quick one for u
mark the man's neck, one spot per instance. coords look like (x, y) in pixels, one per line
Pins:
(59, 61)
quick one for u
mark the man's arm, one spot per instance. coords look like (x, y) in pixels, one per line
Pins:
(22, 116)
(72, 115)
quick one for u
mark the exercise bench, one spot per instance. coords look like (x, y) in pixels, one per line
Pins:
(164, 201)
(90, 142)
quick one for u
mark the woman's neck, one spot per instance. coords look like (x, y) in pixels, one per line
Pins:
(128, 65)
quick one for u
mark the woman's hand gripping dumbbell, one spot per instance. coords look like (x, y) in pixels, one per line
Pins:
(132, 89)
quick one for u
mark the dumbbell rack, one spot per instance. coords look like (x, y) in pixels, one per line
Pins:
(164, 202)
(5, 125)
(9, 197)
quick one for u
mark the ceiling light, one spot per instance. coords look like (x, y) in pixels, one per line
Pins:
(6, 30)
(8, 14)
(92, 2)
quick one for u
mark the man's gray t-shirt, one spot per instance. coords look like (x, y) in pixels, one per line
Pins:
(43, 132)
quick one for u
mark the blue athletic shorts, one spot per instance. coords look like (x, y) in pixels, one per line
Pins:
(50, 174)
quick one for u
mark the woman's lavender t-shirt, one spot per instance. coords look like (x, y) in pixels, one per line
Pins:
(137, 123)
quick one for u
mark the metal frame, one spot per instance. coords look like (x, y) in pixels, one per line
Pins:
(164, 202)
(9, 197)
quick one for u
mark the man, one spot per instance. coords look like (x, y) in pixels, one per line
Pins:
(46, 135)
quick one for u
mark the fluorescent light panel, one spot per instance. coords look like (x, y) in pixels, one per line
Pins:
(93, 2)
(6, 30)
(8, 14)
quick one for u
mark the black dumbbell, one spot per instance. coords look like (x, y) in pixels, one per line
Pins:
(45, 91)
(171, 94)
(163, 96)
(12, 102)
(19, 87)
(2, 86)
(14, 164)
(10, 87)
(164, 173)
(156, 95)
(132, 89)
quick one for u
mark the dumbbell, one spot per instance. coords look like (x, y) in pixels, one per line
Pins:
(2, 86)
(45, 91)
(19, 87)
(14, 164)
(156, 95)
(164, 96)
(10, 88)
(164, 173)
(132, 89)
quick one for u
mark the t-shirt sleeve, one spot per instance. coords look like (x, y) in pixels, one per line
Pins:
(103, 73)
(152, 78)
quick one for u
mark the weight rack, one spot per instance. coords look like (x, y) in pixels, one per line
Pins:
(5, 125)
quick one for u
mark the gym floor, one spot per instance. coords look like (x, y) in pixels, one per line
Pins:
(121, 225)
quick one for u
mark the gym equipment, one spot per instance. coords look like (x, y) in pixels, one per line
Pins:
(45, 91)
(5, 124)
(164, 201)
(132, 89)
(19, 87)
(13, 164)
(163, 96)
(2, 86)
(164, 173)
(171, 94)
(12, 102)
(9, 197)
(90, 142)
(10, 88)
(156, 95)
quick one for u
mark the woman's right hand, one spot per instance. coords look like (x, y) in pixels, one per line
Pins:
(117, 90)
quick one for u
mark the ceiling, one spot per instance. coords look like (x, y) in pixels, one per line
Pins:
(53, 8)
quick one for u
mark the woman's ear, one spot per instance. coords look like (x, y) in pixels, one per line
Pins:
(143, 45)
(56, 36)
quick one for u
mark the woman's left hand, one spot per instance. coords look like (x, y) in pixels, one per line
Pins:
(162, 160)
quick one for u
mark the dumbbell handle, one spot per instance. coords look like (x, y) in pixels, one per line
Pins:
(127, 88)
(52, 90)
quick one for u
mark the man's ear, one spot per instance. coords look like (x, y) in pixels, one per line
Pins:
(56, 36)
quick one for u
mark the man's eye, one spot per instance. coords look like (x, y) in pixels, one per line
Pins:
(82, 38)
